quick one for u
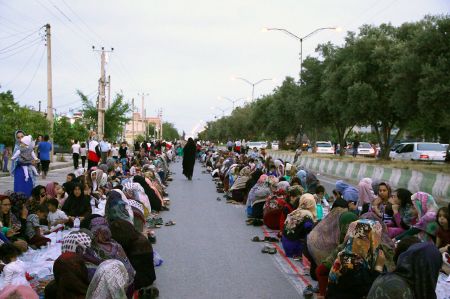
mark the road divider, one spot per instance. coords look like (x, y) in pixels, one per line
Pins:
(435, 183)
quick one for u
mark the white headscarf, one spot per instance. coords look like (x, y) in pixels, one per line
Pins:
(109, 281)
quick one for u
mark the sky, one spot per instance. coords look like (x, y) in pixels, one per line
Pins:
(183, 54)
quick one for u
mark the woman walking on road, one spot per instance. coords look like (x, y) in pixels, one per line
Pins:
(189, 158)
(44, 148)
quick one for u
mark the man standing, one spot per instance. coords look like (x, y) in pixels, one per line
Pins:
(44, 149)
(355, 147)
(104, 147)
(75, 154)
(94, 153)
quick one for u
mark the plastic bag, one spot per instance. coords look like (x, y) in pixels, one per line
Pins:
(157, 259)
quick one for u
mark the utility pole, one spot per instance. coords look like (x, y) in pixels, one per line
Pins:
(49, 85)
(160, 124)
(132, 117)
(102, 96)
(39, 106)
(109, 91)
(143, 116)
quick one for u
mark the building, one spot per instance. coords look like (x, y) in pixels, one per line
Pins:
(140, 126)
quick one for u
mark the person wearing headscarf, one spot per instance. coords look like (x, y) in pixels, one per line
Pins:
(135, 191)
(365, 194)
(426, 225)
(404, 212)
(253, 179)
(380, 205)
(138, 249)
(71, 278)
(18, 292)
(79, 243)
(258, 193)
(341, 186)
(189, 151)
(117, 207)
(109, 281)
(415, 276)
(155, 203)
(290, 204)
(238, 190)
(98, 179)
(279, 168)
(359, 263)
(77, 204)
(20, 184)
(274, 206)
(106, 247)
(297, 226)
(333, 235)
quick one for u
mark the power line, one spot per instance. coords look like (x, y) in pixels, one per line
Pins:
(22, 39)
(21, 50)
(21, 46)
(24, 66)
(34, 75)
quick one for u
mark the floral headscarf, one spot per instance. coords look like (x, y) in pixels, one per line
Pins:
(427, 209)
(363, 241)
(109, 281)
(308, 202)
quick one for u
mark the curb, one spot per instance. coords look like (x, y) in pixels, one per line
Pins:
(437, 184)
(52, 167)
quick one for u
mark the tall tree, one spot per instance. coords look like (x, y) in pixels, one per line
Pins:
(169, 131)
(115, 115)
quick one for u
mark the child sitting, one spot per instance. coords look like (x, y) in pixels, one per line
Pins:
(14, 270)
(33, 229)
(443, 231)
(26, 156)
(55, 215)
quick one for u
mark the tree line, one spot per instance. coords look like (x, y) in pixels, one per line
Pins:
(14, 117)
(385, 76)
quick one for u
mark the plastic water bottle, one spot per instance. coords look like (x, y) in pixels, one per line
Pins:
(76, 224)
(59, 237)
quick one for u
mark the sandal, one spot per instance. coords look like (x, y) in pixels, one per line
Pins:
(272, 250)
(170, 223)
(256, 239)
(218, 199)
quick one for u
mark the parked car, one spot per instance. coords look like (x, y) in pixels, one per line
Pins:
(366, 149)
(420, 151)
(275, 146)
(257, 144)
(324, 147)
(396, 147)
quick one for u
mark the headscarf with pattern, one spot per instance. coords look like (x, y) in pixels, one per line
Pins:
(109, 281)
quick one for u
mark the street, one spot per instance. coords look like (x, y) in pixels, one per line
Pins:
(209, 252)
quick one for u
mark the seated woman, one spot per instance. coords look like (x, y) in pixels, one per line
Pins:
(293, 197)
(415, 276)
(324, 239)
(274, 205)
(107, 248)
(109, 281)
(71, 278)
(258, 192)
(297, 226)
(404, 213)
(77, 204)
(426, 225)
(381, 202)
(139, 251)
(359, 264)
(366, 194)
(238, 189)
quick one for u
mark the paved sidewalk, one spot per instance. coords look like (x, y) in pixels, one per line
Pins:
(53, 165)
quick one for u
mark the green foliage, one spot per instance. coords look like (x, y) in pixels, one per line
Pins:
(385, 76)
(115, 115)
(169, 131)
(14, 117)
(66, 133)
(139, 138)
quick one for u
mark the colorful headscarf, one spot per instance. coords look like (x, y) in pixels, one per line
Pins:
(117, 207)
(427, 209)
(109, 281)
(361, 249)
(365, 191)
(50, 189)
(308, 202)
(76, 242)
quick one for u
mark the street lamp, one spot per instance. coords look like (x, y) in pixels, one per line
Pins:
(300, 39)
(230, 100)
(253, 84)
(220, 109)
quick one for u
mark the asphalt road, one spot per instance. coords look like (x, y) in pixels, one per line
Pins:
(209, 252)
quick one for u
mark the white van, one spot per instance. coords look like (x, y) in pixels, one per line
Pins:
(324, 147)
(420, 151)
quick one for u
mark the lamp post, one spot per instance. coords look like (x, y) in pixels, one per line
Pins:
(252, 84)
(220, 109)
(231, 100)
(300, 39)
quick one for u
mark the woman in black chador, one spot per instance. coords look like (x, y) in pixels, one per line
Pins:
(189, 158)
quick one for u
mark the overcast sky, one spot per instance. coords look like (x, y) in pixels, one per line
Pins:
(183, 53)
